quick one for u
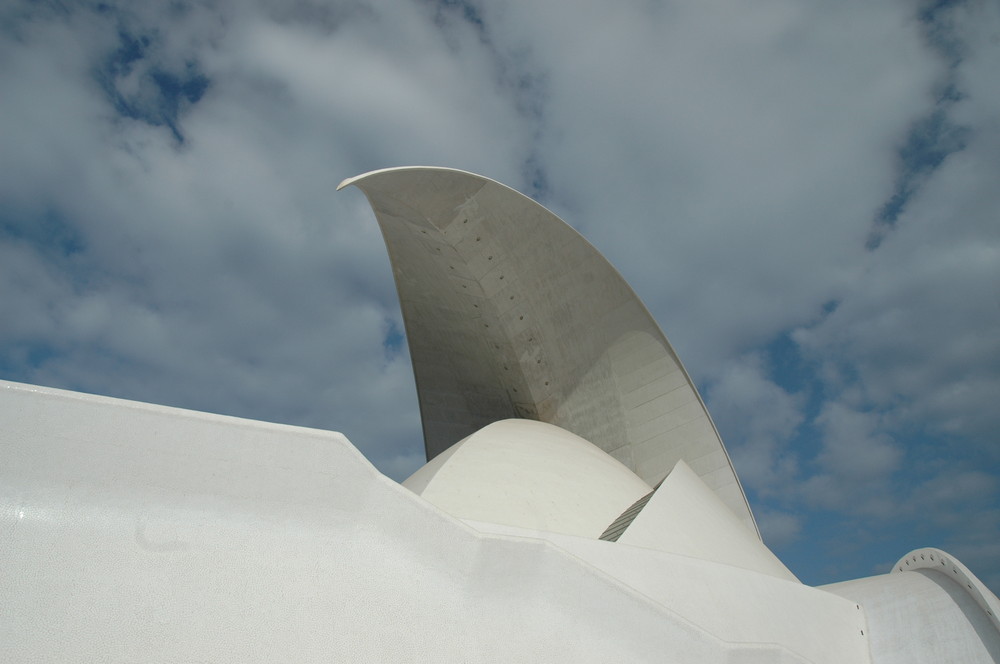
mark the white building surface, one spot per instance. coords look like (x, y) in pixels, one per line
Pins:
(577, 505)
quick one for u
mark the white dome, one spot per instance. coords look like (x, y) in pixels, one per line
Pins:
(531, 475)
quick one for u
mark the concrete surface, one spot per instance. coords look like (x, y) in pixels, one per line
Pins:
(529, 474)
(510, 313)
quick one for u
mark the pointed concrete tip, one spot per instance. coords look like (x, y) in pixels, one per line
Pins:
(348, 182)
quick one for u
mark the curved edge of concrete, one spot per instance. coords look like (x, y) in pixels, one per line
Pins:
(538, 325)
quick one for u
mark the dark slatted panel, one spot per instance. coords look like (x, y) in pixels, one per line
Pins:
(618, 526)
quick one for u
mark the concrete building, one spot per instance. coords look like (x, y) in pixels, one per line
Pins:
(577, 504)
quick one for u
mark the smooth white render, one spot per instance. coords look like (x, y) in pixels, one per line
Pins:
(138, 533)
(928, 608)
(532, 475)
(735, 604)
(685, 517)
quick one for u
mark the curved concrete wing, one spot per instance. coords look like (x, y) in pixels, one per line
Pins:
(928, 608)
(952, 567)
(510, 313)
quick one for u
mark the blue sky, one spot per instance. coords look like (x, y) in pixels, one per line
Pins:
(804, 194)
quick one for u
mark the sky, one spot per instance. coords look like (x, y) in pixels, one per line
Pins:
(805, 194)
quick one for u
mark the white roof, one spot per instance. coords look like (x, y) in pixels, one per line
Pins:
(532, 475)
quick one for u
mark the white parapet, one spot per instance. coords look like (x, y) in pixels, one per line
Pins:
(131, 532)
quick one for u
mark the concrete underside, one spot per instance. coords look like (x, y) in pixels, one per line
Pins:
(510, 313)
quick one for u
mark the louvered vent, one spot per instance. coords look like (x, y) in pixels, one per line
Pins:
(618, 526)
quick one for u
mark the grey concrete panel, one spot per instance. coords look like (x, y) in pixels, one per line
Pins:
(509, 312)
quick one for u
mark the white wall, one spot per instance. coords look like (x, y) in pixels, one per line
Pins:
(135, 533)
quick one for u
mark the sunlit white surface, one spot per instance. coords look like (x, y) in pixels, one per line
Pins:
(529, 474)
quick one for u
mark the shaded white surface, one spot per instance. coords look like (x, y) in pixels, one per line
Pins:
(923, 616)
(736, 604)
(686, 517)
(131, 532)
(538, 325)
(930, 558)
(533, 475)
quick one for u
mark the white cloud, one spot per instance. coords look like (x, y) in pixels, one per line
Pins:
(853, 472)
(721, 149)
(778, 529)
(758, 420)
(918, 325)
(854, 448)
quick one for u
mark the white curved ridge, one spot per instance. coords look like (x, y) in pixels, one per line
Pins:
(532, 475)
(510, 313)
(929, 608)
(952, 567)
